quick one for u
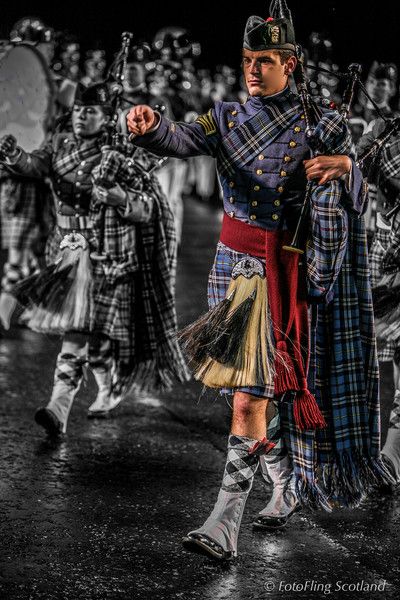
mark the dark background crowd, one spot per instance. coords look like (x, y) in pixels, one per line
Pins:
(188, 58)
(198, 59)
(361, 31)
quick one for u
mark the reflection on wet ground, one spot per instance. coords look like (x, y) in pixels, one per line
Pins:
(100, 514)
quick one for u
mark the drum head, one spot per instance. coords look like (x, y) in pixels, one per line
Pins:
(26, 96)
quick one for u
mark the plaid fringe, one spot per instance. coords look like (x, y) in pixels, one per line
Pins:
(352, 476)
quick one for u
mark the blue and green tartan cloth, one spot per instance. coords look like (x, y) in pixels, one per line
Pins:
(338, 465)
(342, 462)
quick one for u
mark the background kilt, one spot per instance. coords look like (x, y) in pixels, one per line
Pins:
(26, 214)
(112, 306)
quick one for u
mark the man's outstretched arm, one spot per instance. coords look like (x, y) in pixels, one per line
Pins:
(163, 137)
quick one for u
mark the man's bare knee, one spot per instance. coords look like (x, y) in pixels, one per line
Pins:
(246, 405)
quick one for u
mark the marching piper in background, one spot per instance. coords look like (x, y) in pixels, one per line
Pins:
(123, 306)
(385, 269)
(381, 87)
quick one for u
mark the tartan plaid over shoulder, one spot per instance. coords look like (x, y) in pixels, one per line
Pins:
(329, 216)
(240, 146)
(150, 357)
(158, 360)
(342, 462)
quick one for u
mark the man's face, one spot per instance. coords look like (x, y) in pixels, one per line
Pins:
(88, 121)
(158, 83)
(264, 73)
(134, 75)
(381, 90)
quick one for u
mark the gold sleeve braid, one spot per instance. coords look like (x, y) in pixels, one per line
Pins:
(207, 122)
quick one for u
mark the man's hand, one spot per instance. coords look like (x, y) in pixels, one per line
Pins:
(140, 119)
(114, 196)
(326, 168)
(8, 146)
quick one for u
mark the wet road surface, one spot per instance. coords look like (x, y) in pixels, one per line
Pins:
(100, 514)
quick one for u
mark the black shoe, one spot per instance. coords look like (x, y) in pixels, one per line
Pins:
(99, 414)
(202, 544)
(264, 522)
(48, 420)
(388, 488)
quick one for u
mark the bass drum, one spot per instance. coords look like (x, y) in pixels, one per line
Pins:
(27, 96)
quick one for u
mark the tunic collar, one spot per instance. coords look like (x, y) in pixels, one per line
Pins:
(88, 143)
(280, 98)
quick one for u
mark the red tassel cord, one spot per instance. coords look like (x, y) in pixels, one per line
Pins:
(287, 300)
(307, 414)
(282, 281)
(285, 374)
